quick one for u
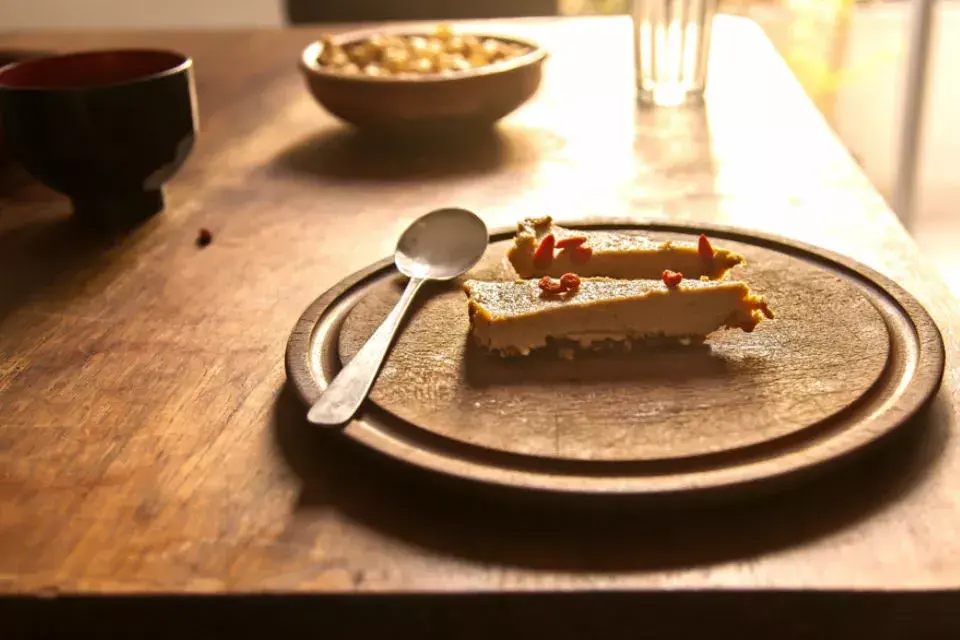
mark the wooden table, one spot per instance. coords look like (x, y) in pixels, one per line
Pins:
(148, 443)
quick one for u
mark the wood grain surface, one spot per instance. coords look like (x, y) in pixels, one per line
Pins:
(826, 348)
(148, 441)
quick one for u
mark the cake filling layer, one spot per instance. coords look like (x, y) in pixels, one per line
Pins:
(519, 316)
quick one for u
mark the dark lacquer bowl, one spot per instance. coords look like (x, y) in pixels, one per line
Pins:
(105, 128)
(8, 56)
(435, 103)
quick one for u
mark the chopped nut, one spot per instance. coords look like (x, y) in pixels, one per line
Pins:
(704, 248)
(549, 285)
(671, 278)
(399, 55)
(571, 243)
(543, 256)
(579, 255)
(570, 281)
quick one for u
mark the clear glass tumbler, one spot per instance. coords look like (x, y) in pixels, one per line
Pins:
(671, 41)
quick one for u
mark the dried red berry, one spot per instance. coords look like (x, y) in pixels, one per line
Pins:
(571, 243)
(549, 285)
(570, 281)
(204, 237)
(543, 256)
(704, 248)
(580, 255)
(671, 278)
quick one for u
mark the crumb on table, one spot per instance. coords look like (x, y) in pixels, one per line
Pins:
(204, 237)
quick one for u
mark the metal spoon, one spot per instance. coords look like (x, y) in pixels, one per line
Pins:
(441, 245)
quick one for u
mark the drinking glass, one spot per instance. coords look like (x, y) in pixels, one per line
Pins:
(671, 45)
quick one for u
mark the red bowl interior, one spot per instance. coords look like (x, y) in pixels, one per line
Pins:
(90, 69)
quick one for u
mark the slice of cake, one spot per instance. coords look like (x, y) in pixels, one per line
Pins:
(543, 248)
(517, 317)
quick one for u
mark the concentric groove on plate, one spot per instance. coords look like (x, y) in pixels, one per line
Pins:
(916, 367)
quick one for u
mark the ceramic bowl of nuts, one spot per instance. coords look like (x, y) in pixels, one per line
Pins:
(427, 81)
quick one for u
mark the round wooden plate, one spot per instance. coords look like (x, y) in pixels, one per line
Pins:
(849, 356)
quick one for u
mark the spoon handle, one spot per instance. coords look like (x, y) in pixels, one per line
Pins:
(341, 399)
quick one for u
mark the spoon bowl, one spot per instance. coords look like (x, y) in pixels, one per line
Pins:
(440, 245)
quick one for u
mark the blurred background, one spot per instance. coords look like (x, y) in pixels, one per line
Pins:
(849, 55)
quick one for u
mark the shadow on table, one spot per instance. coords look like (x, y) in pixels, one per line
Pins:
(559, 533)
(50, 248)
(346, 153)
(55, 254)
